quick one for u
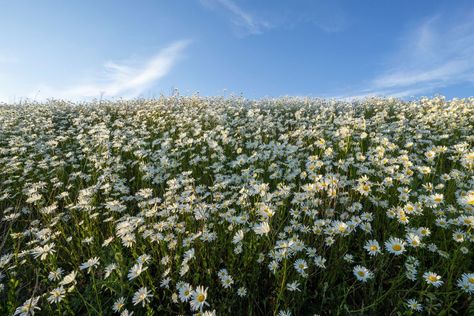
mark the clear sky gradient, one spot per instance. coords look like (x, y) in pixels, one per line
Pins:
(123, 49)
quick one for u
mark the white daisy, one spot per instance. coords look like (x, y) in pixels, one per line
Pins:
(141, 296)
(300, 266)
(185, 292)
(362, 273)
(119, 304)
(56, 295)
(242, 292)
(395, 246)
(372, 247)
(135, 271)
(433, 279)
(466, 283)
(262, 228)
(199, 297)
(90, 264)
(414, 305)
(28, 307)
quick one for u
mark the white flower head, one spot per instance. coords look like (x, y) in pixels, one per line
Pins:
(198, 300)
(433, 279)
(362, 273)
(141, 296)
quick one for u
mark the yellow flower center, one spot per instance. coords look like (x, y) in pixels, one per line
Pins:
(397, 247)
(432, 278)
(373, 248)
(361, 273)
(471, 280)
(200, 298)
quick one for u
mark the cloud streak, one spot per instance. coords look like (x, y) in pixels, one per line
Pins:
(121, 79)
(244, 21)
(327, 16)
(438, 53)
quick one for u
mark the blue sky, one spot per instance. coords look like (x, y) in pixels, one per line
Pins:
(123, 49)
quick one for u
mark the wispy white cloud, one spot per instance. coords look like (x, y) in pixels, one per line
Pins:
(240, 18)
(438, 53)
(328, 16)
(120, 79)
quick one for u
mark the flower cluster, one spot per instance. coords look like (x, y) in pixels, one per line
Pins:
(190, 205)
